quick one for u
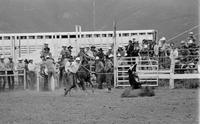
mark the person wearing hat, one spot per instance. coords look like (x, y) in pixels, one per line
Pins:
(70, 50)
(129, 48)
(89, 53)
(94, 50)
(99, 69)
(82, 54)
(121, 51)
(44, 49)
(20, 69)
(100, 54)
(64, 52)
(109, 70)
(2, 72)
(46, 52)
(72, 69)
(191, 38)
(10, 69)
(109, 52)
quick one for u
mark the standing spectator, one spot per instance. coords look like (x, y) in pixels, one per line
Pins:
(10, 69)
(44, 74)
(31, 74)
(109, 71)
(20, 69)
(99, 68)
(2, 72)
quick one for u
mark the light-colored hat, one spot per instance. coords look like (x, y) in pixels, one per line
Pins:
(110, 56)
(120, 46)
(118, 54)
(78, 59)
(190, 41)
(191, 33)
(2, 57)
(109, 48)
(47, 56)
(97, 58)
(19, 59)
(81, 47)
(163, 38)
(182, 41)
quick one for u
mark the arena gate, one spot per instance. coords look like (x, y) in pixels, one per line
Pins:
(147, 70)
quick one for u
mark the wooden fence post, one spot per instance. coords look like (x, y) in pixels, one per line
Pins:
(38, 81)
(171, 80)
(25, 79)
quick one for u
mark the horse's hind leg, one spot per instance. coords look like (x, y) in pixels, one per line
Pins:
(91, 85)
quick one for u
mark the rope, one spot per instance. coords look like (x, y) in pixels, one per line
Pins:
(183, 33)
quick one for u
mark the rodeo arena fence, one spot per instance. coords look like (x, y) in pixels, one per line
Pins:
(149, 68)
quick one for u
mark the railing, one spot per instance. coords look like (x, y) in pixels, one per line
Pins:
(16, 74)
(149, 67)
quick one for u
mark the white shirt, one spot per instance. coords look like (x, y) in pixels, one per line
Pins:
(74, 67)
(31, 67)
(67, 66)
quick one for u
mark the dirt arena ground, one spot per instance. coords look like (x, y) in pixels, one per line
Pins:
(178, 106)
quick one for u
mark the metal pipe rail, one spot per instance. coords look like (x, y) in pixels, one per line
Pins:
(15, 73)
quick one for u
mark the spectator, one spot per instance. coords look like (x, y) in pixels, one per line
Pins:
(2, 72)
(10, 69)
(89, 53)
(70, 51)
(21, 69)
(101, 55)
(136, 50)
(99, 68)
(109, 71)
(121, 51)
(129, 48)
(64, 52)
(31, 74)
(109, 52)
(94, 50)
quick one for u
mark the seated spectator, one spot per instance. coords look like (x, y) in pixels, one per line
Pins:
(129, 48)
(109, 52)
(136, 50)
(100, 54)
(121, 51)
(94, 50)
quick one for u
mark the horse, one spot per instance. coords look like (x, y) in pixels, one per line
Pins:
(83, 75)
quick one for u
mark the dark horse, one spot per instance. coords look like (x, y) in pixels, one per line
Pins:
(83, 75)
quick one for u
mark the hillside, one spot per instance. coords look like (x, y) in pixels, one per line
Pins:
(169, 17)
